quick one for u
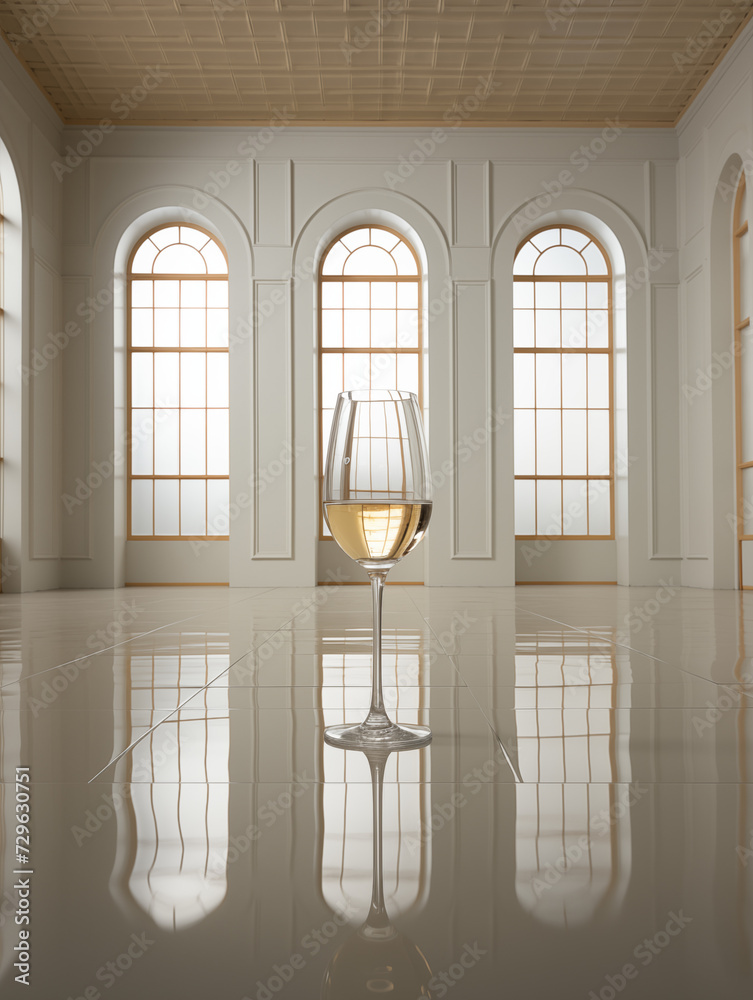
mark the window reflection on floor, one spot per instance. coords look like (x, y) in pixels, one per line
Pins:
(743, 673)
(173, 830)
(346, 845)
(572, 830)
(10, 758)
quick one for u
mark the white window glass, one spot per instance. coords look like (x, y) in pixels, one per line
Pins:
(525, 442)
(218, 461)
(142, 442)
(193, 507)
(166, 496)
(142, 327)
(408, 328)
(548, 507)
(356, 327)
(573, 295)
(598, 443)
(166, 443)
(599, 514)
(179, 259)
(595, 259)
(575, 507)
(548, 376)
(193, 379)
(548, 450)
(522, 295)
(598, 381)
(166, 382)
(217, 327)
(144, 258)
(193, 326)
(142, 392)
(166, 327)
(523, 327)
(574, 441)
(218, 502)
(383, 329)
(193, 443)
(547, 327)
(525, 507)
(524, 384)
(574, 328)
(574, 380)
(218, 386)
(141, 506)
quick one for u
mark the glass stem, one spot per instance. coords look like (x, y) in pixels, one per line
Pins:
(377, 716)
(377, 913)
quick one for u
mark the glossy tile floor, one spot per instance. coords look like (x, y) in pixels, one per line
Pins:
(581, 825)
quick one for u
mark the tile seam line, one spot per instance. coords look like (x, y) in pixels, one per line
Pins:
(451, 658)
(167, 718)
(198, 692)
(594, 635)
(117, 645)
(620, 645)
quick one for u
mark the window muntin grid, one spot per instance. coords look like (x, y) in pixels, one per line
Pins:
(563, 396)
(743, 371)
(178, 386)
(370, 326)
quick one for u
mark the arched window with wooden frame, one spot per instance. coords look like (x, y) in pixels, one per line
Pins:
(370, 331)
(563, 378)
(178, 387)
(743, 382)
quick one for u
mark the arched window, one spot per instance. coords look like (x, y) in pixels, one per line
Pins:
(370, 321)
(743, 378)
(178, 460)
(562, 335)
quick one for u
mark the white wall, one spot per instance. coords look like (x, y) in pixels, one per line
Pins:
(32, 389)
(468, 196)
(715, 140)
(274, 197)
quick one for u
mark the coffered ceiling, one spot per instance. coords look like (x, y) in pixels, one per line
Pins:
(380, 62)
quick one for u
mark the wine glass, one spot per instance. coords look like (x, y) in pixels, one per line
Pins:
(377, 958)
(377, 502)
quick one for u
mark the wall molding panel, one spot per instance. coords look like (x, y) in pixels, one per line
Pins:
(470, 203)
(664, 468)
(472, 403)
(273, 187)
(76, 405)
(272, 420)
(45, 439)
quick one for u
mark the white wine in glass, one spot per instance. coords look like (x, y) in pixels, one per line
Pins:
(377, 502)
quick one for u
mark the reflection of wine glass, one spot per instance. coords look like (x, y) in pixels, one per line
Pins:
(377, 958)
(377, 501)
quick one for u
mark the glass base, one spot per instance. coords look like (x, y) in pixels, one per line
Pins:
(392, 737)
